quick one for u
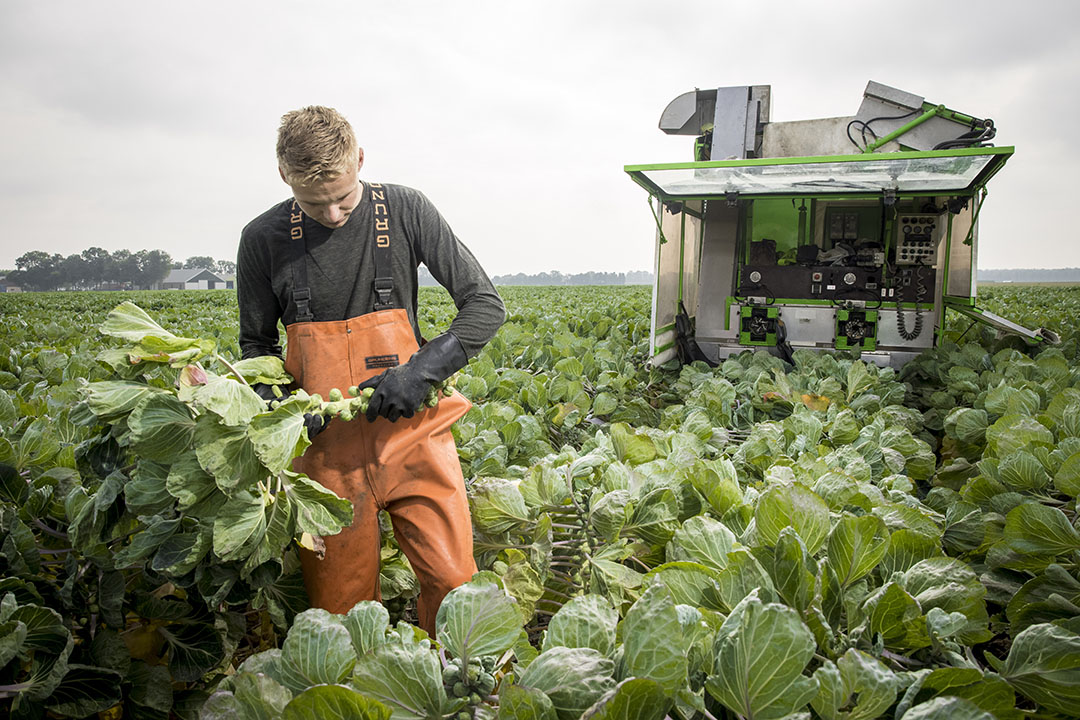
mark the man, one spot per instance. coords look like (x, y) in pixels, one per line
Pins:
(336, 264)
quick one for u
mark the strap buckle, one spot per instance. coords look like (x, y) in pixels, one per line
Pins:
(384, 286)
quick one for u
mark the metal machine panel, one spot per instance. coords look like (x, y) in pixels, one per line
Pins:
(691, 256)
(797, 138)
(729, 123)
(961, 280)
(717, 269)
(809, 325)
(887, 109)
(666, 287)
(888, 331)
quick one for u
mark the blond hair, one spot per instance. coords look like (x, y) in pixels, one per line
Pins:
(315, 144)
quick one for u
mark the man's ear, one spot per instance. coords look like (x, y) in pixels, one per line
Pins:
(281, 172)
(360, 160)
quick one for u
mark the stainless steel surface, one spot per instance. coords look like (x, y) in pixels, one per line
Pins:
(881, 101)
(717, 270)
(811, 326)
(961, 269)
(729, 123)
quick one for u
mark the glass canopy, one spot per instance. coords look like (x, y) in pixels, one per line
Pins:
(904, 172)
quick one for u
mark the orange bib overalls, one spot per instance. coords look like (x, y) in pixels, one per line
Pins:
(409, 468)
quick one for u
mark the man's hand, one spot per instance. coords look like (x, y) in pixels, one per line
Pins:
(401, 390)
(397, 394)
(266, 392)
(315, 424)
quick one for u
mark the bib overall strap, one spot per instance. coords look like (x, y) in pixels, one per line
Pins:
(301, 294)
(384, 276)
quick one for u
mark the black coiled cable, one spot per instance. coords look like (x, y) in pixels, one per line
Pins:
(920, 293)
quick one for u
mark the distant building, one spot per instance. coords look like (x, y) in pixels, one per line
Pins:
(6, 287)
(196, 279)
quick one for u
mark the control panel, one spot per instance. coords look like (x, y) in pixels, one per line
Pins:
(917, 236)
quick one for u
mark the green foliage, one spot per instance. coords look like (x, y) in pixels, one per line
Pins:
(752, 540)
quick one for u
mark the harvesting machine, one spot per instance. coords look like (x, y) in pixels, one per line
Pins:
(851, 233)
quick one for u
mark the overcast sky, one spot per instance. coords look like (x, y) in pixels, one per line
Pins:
(151, 125)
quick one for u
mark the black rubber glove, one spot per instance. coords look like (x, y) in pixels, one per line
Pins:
(401, 390)
(315, 424)
(265, 391)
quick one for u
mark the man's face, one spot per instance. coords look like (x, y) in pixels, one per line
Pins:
(329, 202)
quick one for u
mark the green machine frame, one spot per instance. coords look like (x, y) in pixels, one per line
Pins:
(747, 241)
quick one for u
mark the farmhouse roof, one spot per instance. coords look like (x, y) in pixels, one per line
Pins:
(190, 274)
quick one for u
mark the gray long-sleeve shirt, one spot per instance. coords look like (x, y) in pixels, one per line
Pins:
(341, 271)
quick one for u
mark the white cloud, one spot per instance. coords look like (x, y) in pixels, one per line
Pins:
(129, 124)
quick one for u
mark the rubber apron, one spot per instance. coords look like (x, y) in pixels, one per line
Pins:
(409, 468)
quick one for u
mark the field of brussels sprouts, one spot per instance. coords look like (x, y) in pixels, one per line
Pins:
(757, 540)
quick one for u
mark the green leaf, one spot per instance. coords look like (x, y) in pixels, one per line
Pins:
(227, 454)
(522, 703)
(318, 650)
(234, 402)
(690, 583)
(791, 571)
(655, 518)
(280, 528)
(1053, 595)
(152, 342)
(947, 708)
(897, 617)
(742, 576)
(12, 639)
(151, 686)
(1037, 529)
(653, 640)
(497, 505)
(239, 525)
(318, 510)
(334, 702)
(1044, 665)
(260, 695)
(952, 586)
(85, 690)
(632, 699)
(268, 369)
(112, 399)
(718, 483)
(762, 650)
(703, 540)
(630, 447)
(572, 678)
(907, 547)
(367, 623)
(279, 436)
(162, 426)
(146, 493)
(477, 619)
(194, 650)
(585, 621)
(856, 546)
(796, 506)
(1067, 478)
(857, 680)
(989, 692)
(188, 482)
(406, 677)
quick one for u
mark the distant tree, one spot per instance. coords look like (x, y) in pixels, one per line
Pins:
(97, 265)
(176, 265)
(73, 272)
(200, 262)
(226, 267)
(123, 267)
(154, 265)
(38, 270)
